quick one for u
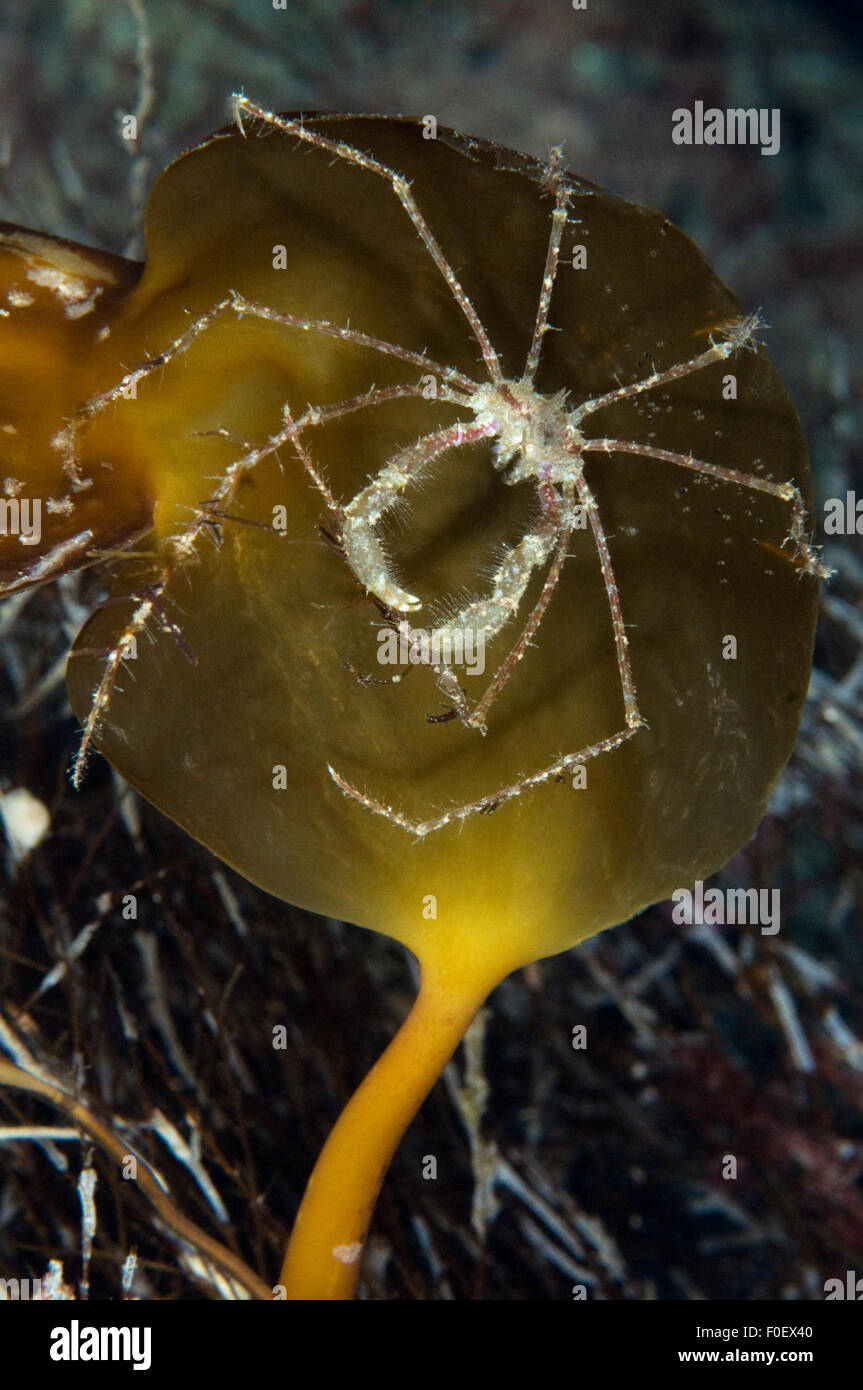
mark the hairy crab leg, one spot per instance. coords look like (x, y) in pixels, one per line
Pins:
(786, 492)
(487, 804)
(401, 188)
(563, 194)
(739, 334)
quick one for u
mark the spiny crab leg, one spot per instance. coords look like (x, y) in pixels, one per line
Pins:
(740, 333)
(66, 439)
(621, 641)
(486, 804)
(563, 193)
(787, 492)
(401, 188)
(448, 375)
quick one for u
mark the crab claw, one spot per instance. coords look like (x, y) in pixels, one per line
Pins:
(365, 555)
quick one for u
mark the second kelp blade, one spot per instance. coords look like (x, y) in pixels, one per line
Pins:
(58, 302)
(274, 621)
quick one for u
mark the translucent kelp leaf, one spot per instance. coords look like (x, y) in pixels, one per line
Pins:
(237, 687)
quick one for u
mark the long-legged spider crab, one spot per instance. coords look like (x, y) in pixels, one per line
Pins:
(541, 439)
